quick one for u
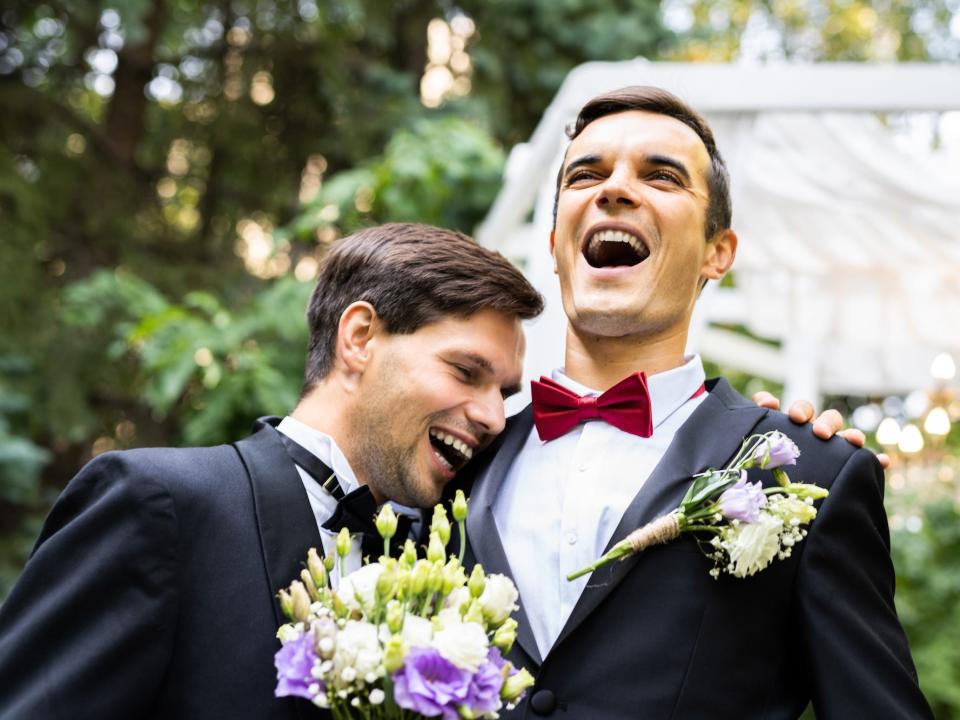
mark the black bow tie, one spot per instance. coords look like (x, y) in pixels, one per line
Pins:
(357, 513)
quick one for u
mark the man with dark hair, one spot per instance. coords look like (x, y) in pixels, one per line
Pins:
(151, 590)
(642, 222)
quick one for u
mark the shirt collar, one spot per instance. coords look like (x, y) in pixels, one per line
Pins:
(324, 447)
(668, 390)
(326, 450)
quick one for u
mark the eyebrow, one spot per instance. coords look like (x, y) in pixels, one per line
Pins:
(483, 364)
(669, 162)
(592, 159)
(655, 159)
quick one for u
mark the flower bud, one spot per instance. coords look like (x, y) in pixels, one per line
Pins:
(477, 581)
(387, 584)
(386, 522)
(419, 577)
(460, 507)
(435, 549)
(339, 607)
(316, 567)
(515, 685)
(328, 562)
(307, 580)
(394, 616)
(286, 603)
(409, 556)
(301, 600)
(506, 635)
(393, 653)
(343, 542)
(474, 614)
(440, 524)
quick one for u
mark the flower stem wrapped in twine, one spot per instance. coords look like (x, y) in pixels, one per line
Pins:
(662, 530)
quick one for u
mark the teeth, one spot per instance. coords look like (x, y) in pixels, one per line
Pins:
(620, 236)
(456, 443)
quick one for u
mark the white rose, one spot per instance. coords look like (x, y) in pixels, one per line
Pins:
(417, 631)
(499, 599)
(752, 546)
(463, 644)
(358, 589)
(358, 651)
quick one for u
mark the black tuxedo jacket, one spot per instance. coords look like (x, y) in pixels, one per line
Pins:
(151, 590)
(655, 637)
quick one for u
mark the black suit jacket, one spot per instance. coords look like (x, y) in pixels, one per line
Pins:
(151, 590)
(655, 637)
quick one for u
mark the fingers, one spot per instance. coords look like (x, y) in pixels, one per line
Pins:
(853, 436)
(827, 424)
(801, 412)
(884, 460)
(767, 400)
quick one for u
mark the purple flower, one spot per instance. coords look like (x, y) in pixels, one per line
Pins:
(294, 662)
(430, 685)
(483, 696)
(776, 450)
(743, 501)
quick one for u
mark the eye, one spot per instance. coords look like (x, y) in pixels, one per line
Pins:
(580, 176)
(464, 372)
(665, 175)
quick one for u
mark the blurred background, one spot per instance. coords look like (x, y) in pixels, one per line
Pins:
(171, 171)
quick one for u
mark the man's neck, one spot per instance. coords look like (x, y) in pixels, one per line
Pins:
(601, 362)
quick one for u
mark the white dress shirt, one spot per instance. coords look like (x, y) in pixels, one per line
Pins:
(562, 500)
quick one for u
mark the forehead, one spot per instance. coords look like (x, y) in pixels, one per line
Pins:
(494, 335)
(638, 134)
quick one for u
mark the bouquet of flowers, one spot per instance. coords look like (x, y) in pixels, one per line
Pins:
(748, 525)
(403, 637)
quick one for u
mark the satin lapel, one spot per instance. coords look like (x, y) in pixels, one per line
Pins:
(483, 537)
(709, 438)
(285, 520)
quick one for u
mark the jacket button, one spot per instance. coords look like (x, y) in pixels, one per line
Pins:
(543, 702)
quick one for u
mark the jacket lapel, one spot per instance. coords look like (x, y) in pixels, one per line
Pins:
(285, 520)
(709, 438)
(483, 538)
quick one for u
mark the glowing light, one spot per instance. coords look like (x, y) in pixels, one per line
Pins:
(943, 367)
(203, 357)
(306, 269)
(911, 439)
(937, 422)
(261, 88)
(888, 432)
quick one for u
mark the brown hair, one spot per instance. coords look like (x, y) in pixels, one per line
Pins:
(657, 100)
(412, 275)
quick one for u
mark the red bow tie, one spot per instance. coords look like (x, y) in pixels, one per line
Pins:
(557, 410)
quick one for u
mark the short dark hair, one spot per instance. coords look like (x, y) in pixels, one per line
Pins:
(412, 275)
(657, 100)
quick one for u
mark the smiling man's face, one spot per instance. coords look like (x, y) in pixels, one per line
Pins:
(430, 400)
(629, 244)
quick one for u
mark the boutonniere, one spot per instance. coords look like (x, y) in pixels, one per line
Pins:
(739, 524)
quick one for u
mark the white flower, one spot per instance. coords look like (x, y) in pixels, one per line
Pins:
(417, 631)
(457, 598)
(753, 546)
(287, 632)
(358, 651)
(358, 589)
(377, 696)
(463, 644)
(499, 599)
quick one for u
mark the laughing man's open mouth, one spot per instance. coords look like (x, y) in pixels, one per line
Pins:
(452, 451)
(615, 248)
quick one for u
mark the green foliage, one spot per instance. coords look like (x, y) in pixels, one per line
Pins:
(928, 601)
(443, 171)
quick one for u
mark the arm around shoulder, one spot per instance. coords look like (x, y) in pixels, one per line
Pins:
(87, 629)
(856, 653)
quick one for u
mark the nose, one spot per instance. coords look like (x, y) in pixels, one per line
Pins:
(486, 411)
(617, 189)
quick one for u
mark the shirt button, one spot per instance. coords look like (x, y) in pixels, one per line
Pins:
(571, 538)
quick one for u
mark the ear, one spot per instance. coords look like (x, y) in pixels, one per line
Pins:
(355, 334)
(553, 249)
(721, 250)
